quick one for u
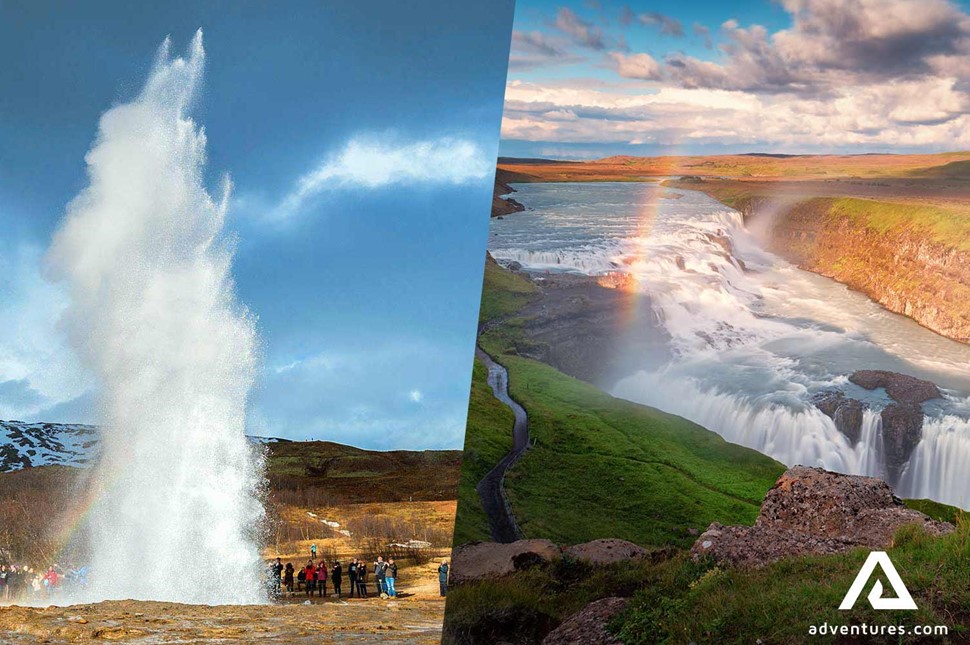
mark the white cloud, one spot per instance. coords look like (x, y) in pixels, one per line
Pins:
(930, 113)
(33, 351)
(416, 396)
(845, 74)
(368, 162)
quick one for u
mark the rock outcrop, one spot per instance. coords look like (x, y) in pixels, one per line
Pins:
(481, 560)
(902, 429)
(845, 412)
(900, 387)
(902, 420)
(588, 626)
(504, 205)
(605, 551)
(813, 511)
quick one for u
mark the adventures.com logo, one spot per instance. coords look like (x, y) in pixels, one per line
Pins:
(901, 601)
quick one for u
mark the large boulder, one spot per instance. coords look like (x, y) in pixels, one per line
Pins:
(900, 387)
(605, 551)
(588, 626)
(480, 560)
(813, 511)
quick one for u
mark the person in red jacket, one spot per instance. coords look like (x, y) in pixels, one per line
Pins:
(50, 580)
(322, 579)
(311, 577)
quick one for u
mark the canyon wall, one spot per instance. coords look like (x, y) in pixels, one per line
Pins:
(907, 267)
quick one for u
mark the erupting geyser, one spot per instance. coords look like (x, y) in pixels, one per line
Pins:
(154, 316)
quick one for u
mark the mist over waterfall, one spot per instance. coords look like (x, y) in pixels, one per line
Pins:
(752, 339)
(154, 316)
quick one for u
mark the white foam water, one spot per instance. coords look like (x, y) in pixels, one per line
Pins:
(154, 316)
(752, 337)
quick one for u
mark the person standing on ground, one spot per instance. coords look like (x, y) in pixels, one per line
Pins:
(443, 578)
(313, 551)
(51, 580)
(335, 575)
(288, 577)
(277, 577)
(322, 579)
(380, 571)
(352, 575)
(390, 577)
(362, 579)
(311, 577)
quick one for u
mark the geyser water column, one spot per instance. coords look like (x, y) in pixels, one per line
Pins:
(154, 316)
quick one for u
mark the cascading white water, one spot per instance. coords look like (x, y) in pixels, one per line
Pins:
(752, 338)
(941, 461)
(154, 316)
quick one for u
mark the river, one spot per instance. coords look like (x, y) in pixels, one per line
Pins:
(752, 338)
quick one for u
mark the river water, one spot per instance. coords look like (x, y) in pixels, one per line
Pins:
(751, 337)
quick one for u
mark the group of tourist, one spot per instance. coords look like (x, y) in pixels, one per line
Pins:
(20, 583)
(313, 577)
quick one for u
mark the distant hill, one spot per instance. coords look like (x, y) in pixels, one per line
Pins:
(347, 474)
(24, 445)
(531, 161)
(27, 445)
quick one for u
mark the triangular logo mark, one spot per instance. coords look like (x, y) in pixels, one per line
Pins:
(902, 600)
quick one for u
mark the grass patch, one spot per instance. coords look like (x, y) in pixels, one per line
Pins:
(946, 225)
(778, 603)
(936, 510)
(503, 292)
(628, 471)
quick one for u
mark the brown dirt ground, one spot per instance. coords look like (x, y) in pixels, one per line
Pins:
(415, 618)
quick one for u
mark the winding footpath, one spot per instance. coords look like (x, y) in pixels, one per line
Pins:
(491, 490)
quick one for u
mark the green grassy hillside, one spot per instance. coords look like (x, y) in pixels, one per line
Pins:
(601, 466)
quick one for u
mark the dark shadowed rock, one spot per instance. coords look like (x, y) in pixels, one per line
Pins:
(605, 551)
(813, 511)
(504, 205)
(845, 412)
(588, 626)
(902, 428)
(480, 560)
(900, 387)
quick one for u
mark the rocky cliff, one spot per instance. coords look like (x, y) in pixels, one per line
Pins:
(502, 205)
(905, 266)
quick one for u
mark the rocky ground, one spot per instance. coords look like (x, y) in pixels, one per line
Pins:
(415, 618)
(502, 206)
(580, 323)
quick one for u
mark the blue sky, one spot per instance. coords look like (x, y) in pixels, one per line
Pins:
(590, 78)
(366, 289)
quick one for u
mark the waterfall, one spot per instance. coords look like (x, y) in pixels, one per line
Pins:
(753, 339)
(154, 316)
(939, 466)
